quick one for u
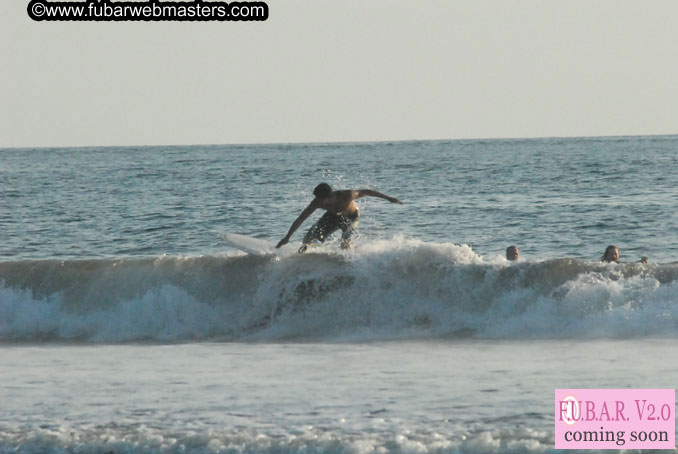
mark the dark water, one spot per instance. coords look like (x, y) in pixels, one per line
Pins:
(551, 197)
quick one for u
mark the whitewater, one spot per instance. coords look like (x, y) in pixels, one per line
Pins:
(385, 290)
(128, 326)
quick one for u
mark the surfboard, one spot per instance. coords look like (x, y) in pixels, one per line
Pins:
(248, 244)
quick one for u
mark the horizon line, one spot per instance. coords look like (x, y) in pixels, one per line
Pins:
(345, 142)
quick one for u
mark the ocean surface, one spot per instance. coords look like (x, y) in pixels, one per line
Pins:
(127, 325)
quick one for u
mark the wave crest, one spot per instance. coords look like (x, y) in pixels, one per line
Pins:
(385, 290)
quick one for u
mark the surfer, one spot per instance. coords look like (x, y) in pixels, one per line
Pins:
(611, 254)
(341, 213)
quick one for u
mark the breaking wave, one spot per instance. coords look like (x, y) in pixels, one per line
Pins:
(397, 289)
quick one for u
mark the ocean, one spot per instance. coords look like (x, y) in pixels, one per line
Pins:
(127, 325)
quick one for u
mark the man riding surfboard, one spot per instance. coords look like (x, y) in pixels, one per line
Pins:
(341, 213)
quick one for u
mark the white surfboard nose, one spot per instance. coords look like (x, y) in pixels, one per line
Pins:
(249, 244)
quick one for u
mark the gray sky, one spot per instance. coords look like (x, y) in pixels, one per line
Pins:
(344, 70)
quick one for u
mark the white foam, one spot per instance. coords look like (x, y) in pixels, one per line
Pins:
(308, 441)
(402, 288)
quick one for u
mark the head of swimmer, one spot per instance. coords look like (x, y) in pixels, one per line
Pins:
(512, 253)
(611, 254)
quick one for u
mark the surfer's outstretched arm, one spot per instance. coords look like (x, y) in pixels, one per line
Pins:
(300, 220)
(373, 193)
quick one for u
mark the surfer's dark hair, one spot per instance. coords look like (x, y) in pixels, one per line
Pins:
(322, 190)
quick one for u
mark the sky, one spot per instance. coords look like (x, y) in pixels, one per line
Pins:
(350, 70)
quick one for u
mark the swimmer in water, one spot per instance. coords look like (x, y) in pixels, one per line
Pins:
(512, 253)
(611, 254)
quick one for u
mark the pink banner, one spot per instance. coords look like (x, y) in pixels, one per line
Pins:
(615, 418)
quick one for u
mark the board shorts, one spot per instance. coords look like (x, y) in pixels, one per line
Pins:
(330, 223)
